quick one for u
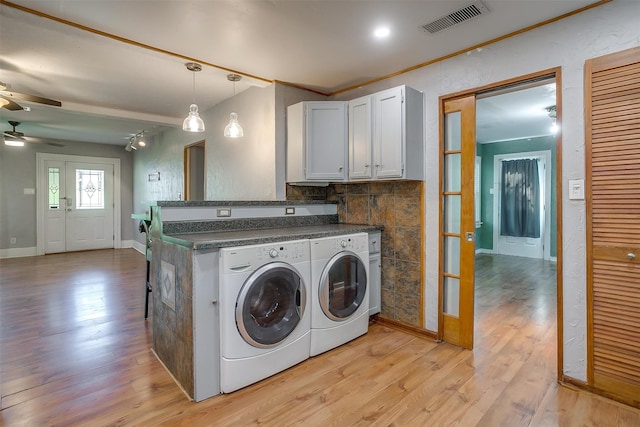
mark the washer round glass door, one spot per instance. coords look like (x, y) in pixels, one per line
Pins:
(270, 304)
(343, 286)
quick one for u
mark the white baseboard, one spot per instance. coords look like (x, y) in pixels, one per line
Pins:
(24, 252)
(484, 251)
(553, 259)
(18, 252)
(138, 247)
(126, 243)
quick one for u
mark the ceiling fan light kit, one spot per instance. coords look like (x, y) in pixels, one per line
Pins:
(13, 142)
(193, 122)
(233, 128)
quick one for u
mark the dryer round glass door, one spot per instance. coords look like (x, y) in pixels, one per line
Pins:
(270, 304)
(343, 286)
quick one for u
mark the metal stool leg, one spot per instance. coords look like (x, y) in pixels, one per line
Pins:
(147, 292)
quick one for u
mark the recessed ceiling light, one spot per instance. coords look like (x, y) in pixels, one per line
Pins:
(381, 32)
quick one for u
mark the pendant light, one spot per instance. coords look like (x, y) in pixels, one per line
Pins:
(233, 128)
(193, 122)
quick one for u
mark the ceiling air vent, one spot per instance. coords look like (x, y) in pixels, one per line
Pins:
(476, 8)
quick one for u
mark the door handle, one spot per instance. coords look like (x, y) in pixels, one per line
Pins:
(631, 256)
(470, 236)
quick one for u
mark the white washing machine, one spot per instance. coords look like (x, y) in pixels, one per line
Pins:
(265, 314)
(340, 291)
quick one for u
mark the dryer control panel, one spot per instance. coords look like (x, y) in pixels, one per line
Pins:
(326, 247)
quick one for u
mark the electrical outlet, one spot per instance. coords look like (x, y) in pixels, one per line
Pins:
(13, 241)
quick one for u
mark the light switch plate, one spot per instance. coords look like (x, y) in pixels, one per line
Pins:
(576, 189)
(29, 190)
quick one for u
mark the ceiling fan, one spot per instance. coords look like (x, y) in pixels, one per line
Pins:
(14, 137)
(7, 99)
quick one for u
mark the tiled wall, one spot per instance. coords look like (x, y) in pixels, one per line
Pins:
(172, 320)
(398, 207)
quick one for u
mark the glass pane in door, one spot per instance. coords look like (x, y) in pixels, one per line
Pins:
(451, 297)
(89, 189)
(452, 186)
(452, 214)
(452, 131)
(54, 188)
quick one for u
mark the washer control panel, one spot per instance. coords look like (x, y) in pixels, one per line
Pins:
(246, 258)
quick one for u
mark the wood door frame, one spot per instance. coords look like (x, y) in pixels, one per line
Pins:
(42, 192)
(555, 73)
(187, 168)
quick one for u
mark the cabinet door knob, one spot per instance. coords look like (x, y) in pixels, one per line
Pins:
(340, 168)
(366, 165)
(631, 256)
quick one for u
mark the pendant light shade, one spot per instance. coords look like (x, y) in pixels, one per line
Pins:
(233, 128)
(193, 122)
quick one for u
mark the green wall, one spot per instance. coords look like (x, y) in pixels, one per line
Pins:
(484, 235)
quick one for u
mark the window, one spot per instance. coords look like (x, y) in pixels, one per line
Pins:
(89, 189)
(54, 188)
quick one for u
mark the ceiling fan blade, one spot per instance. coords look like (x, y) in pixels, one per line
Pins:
(9, 104)
(13, 136)
(31, 98)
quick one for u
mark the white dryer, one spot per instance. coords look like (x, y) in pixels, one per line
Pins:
(264, 311)
(340, 291)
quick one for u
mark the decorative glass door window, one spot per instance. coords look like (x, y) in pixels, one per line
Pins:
(89, 189)
(54, 188)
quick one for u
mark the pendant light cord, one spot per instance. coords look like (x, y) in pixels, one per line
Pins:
(193, 91)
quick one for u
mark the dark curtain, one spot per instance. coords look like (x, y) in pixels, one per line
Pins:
(520, 216)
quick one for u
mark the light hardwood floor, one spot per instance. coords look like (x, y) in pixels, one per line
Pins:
(76, 351)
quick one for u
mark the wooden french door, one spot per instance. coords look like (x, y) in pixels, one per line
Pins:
(612, 97)
(457, 229)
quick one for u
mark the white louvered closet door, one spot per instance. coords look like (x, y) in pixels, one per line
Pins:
(612, 96)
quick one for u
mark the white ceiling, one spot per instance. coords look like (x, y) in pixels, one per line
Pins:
(110, 89)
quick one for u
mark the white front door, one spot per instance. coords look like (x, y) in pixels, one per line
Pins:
(89, 213)
(79, 208)
(530, 247)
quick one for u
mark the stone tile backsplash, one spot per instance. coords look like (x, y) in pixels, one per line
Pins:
(398, 207)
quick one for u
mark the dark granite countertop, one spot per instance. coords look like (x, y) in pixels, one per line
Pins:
(222, 239)
(204, 203)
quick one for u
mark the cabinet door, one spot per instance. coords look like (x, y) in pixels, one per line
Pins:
(389, 133)
(360, 138)
(326, 140)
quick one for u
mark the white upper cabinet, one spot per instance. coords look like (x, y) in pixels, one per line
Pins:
(317, 141)
(360, 142)
(398, 134)
(386, 135)
(381, 138)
